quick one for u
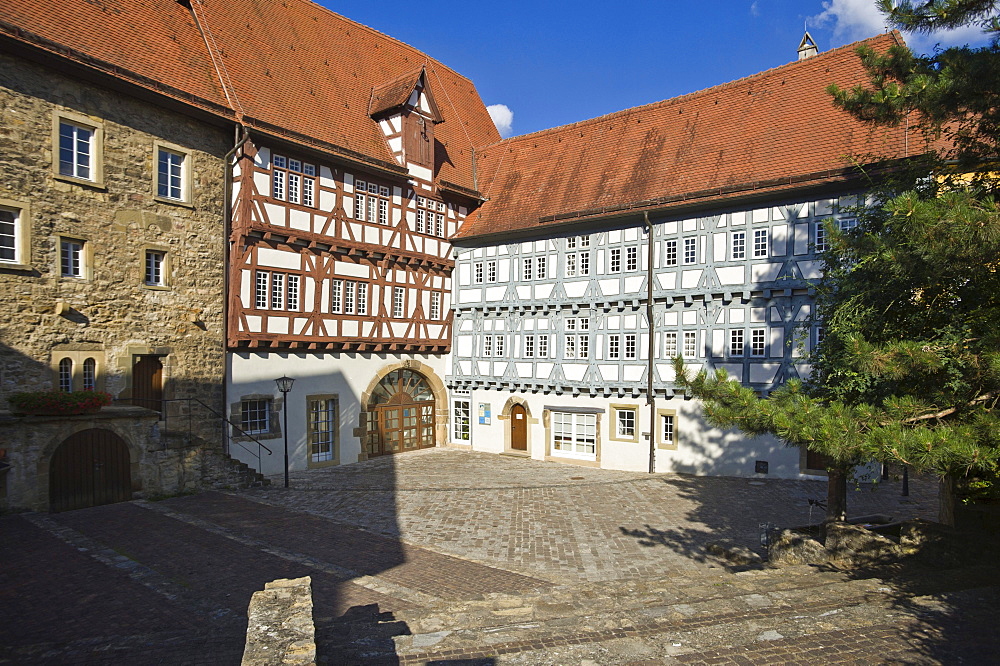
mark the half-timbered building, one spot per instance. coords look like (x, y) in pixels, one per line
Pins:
(691, 227)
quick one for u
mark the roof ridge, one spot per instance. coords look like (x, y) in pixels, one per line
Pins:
(427, 56)
(690, 95)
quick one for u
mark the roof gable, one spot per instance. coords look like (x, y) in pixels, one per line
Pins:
(400, 93)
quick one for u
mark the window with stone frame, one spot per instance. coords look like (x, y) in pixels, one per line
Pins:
(15, 245)
(172, 180)
(322, 429)
(293, 180)
(155, 268)
(72, 258)
(666, 437)
(79, 140)
(256, 415)
(624, 421)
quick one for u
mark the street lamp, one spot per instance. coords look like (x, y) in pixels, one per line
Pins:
(285, 385)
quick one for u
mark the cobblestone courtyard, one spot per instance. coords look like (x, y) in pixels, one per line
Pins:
(447, 556)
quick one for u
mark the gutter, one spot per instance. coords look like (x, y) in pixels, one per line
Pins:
(650, 397)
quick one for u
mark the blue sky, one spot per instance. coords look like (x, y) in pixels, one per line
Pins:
(551, 64)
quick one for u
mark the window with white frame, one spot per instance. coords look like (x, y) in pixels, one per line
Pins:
(491, 271)
(488, 345)
(76, 370)
(430, 217)
(371, 202)
(690, 251)
(630, 346)
(632, 258)
(499, 345)
(670, 344)
(322, 427)
(820, 244)
(350, 291)
(670, 253)
(614, 346)
(738, 249)
(760, 243)
(819, 335)
(668, 433)
(337, 296)
(77, 150)
(847, 224)
(690, 344)
(14, 243)
(292, 301)
(156, 264)
(528, 266)
(574, 435)
(736, 342)
(398, 302)
(461, 420)
(363, 298)
(543, 346)
(529, 346)
(66, 375)
(255, 416)
(577, 256)
(624, 422)
(89, 374)
(477, 272)
(277, 291)
(615, 260)
(435, 305)
(71, 257)
(577, 338)
(261, 287)
(758, 342)
(293, 181)
(541, 268)
(171, 174)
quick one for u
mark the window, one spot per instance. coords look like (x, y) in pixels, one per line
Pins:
(574, 435)
(260, 289)
(487, 345)
(293, 292)
(350, 289)
(577, 262)
(848, 224)
(171, 173)
(477, 272)
(430, 217)
(543, 346)
(89, 374)
(614, 346)
(739, 246)
(499, 350)
(541, 268)
(293, 181)
(668, 432)
(66, 375)
(346, 296)
(820, 334)
(14, 228)
(529, 346)
(155, 265)
(337, 296)
(670, 253)
(670, 344)
(630, 350)
(491, 271)
(757, 344)
(461, 420)
(624, 422)
(371, 202)
(528, 264)
(615, 260)
(632, 258)
(736, 342)
(690, 250)
(280, 291)
(435, 305)
(690, 344)
(321, 428)
(820, 245)
(577, 341)
(71, 260)
(76, 150)
(277, 291)
(398, 295)
(255, 416)
(760, 243)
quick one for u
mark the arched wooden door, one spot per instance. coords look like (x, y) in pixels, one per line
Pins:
(518, 428)
(90, 468)
(401, 414)
(147, 383)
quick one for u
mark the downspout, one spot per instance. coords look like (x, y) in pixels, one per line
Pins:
(227, 220)
(650, 398)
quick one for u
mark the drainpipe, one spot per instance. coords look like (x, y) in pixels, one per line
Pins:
(650, 398)
(227, 220)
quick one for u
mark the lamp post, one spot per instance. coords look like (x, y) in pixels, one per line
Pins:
(285, 385)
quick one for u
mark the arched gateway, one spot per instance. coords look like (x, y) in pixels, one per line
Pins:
(401, 414)
(89, 468)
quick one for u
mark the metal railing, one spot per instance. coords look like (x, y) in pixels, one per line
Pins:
(163, 408)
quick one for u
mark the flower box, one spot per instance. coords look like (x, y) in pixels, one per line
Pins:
(58, 403)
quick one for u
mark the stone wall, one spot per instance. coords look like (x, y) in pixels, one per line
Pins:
(110, 313)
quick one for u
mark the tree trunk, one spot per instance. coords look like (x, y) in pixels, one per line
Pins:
(836, 495)
(947, 500)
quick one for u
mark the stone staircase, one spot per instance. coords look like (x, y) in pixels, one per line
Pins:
(623, 622)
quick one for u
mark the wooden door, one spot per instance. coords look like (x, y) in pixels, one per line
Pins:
(518, 428)
(403, 414)
(90, 468)
(147, 383)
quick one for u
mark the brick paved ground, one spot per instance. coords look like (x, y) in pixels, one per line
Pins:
(450, 556)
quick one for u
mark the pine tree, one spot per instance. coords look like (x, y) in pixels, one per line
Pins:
(909, 368)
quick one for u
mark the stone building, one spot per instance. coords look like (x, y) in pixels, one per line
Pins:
(111, 269)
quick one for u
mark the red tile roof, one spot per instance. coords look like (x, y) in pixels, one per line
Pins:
(765, 131)
(294, 65)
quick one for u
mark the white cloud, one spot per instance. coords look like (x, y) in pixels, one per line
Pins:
(502, 117)
(857, 19)
(754, 9)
